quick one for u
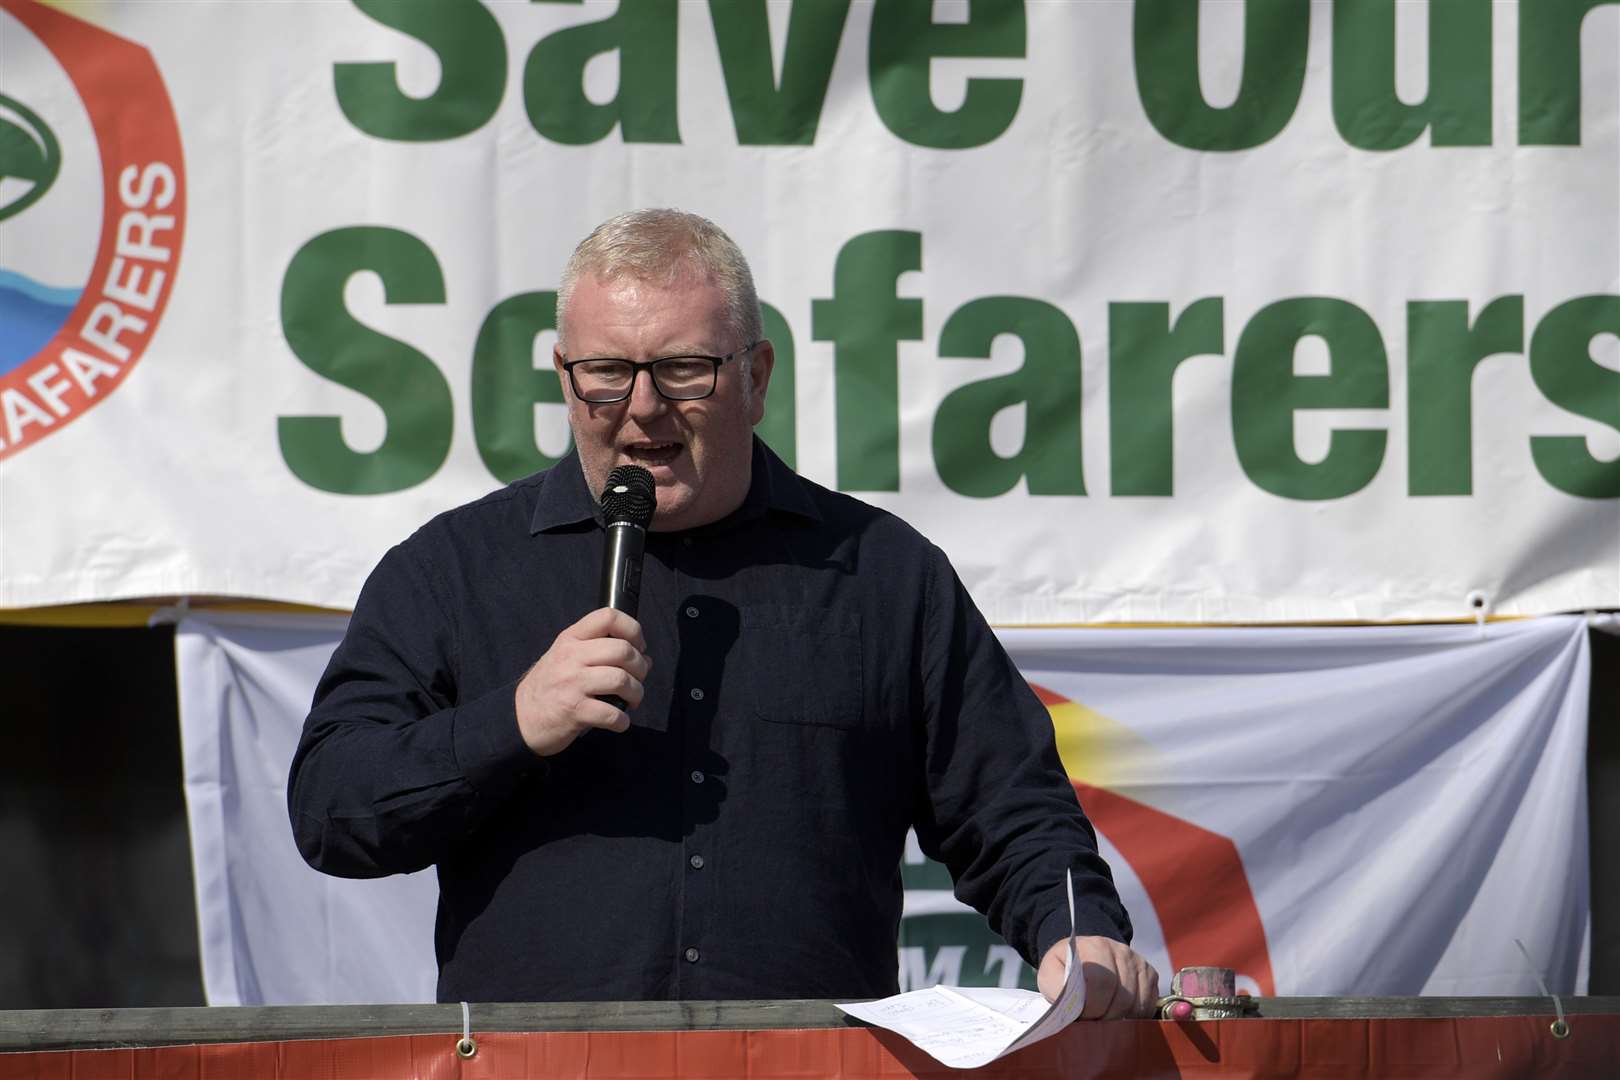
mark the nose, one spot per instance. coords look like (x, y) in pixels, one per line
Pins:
(645, 400)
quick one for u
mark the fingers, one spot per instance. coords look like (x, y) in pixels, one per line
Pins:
(607, 623)
(1120, 983)
(594, 712)
(612, 667)
(612, 680)
(600, 656)
(612, 653)
(1102, 992)
(1147, 995)
(1132, 987)
(1053, 972)
(605, 651)
(1136, 984)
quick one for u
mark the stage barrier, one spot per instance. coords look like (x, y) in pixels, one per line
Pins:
(1289, 1037)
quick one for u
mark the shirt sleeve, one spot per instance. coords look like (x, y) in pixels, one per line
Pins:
(393, 769)
(995, 805)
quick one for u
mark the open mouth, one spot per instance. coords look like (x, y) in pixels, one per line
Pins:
(650, 454)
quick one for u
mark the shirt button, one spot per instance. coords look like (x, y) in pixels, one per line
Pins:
(691, 612)
(691, 955)
(697, 694)
(686, 541)
(696, 861)
(697, 776)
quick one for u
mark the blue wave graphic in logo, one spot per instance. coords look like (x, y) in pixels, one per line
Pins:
(30, 315)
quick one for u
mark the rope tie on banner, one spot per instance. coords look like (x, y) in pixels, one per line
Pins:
(1480, 602)
(1560, 1026)
(171, 615)
(466, 1046)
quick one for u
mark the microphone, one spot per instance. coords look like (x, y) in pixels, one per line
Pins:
(628, 502)
(627, 508)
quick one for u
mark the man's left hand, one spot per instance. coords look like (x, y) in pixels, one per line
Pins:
(1120, 984)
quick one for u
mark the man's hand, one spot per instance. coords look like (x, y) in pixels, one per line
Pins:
(599, 655)
(1119, 983)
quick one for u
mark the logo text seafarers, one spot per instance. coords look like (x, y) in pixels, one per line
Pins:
(133, 284)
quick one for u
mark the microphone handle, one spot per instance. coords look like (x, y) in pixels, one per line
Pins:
(621, 567)
(621, 576)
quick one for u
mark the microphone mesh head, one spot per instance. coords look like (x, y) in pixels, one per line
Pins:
(628, 497)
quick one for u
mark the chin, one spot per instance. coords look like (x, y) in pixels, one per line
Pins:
(672, 507)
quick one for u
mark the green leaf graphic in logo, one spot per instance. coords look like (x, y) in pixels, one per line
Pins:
(29, 153)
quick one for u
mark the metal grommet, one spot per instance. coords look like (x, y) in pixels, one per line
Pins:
(1560, 1028)
(465, 1046)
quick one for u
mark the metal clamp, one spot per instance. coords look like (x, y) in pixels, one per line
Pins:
(1204, 993)
(1182, 1007)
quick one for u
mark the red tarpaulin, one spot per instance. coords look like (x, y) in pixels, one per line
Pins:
(1503, 1046)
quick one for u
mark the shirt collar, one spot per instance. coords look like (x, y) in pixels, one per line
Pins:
(563, 500)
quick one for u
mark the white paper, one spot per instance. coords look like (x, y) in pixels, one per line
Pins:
(968, 1026)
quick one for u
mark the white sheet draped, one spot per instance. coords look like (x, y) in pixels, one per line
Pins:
(1403, 802)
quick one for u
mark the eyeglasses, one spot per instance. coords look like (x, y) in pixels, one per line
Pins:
(676, 378)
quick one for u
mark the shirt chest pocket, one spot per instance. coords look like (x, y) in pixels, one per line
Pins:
(802, 665)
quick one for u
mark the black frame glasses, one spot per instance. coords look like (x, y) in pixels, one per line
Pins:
(666, 364)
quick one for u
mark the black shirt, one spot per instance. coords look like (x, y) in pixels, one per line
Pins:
(820, 681)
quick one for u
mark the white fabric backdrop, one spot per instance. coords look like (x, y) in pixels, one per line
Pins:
(273, 930)
(1404, 802)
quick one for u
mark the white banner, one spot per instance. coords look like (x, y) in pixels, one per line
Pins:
(273, 931)
(1145, 310)
(1348, 811)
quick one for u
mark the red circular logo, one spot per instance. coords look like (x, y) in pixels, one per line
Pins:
(1194, 878)
(63, 349)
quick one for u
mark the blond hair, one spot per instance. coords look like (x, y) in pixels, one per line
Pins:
(661, 247)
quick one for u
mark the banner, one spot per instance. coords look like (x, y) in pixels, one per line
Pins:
(1145, 310)
(1347, 811)
(272, 930)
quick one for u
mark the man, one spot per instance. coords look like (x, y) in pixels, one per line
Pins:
(807, 679)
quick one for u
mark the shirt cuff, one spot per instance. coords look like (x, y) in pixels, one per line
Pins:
(489, 748)
(1052, 929)
(1055, 927)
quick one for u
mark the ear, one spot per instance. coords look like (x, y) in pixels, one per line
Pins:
(562, 376)
(764, 362)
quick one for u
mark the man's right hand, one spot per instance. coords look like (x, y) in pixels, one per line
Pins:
(557, 699)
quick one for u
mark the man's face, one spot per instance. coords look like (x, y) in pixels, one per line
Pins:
(699, 452)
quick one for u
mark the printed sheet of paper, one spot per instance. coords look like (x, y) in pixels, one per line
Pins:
(968, 1026)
